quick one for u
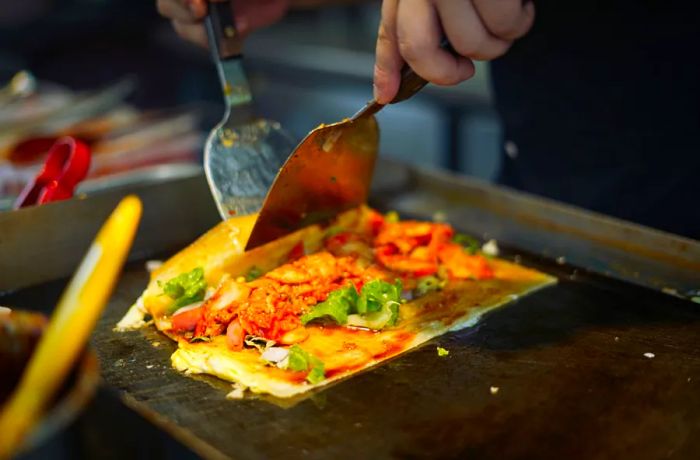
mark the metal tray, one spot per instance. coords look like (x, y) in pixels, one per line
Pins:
(602, 365)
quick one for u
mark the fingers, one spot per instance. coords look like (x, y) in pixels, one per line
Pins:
(187, 16)
(387, 67)
(506, 19)
(466, 32)
(184, 11)
(194, 33)
(419, 34)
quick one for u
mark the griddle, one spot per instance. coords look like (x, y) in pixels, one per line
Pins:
(606, 364)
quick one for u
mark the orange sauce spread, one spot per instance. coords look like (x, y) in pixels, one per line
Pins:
(270, 306)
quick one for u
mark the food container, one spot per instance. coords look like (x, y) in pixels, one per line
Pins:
(19, 333)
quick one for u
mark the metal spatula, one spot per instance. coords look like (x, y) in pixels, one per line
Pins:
(242, 154)
(329, 172)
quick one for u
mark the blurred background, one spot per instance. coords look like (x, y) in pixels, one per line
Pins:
(114, 73)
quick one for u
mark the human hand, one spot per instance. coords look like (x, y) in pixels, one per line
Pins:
(187, 16)
(411, 30)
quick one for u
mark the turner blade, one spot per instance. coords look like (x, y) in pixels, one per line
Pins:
(329, 172)
(241, 162)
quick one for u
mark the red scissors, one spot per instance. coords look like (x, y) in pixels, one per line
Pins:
(66, 165)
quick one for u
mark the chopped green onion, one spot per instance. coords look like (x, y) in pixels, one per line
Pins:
(392, 217)
(442, 351)
(334, 230)
(375, 307)
(300, 360)
(253, 273)
(200, 338)
(378, 319)
(336, 307)
(470, 243)
(185, 289)
(428, 284)
(260, 343)
(376, 294)
(317, 373)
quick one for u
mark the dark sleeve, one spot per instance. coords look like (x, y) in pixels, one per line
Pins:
(601, 108)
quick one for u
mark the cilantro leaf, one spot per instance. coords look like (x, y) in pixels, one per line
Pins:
(186, 288)
(336, 307)
(300, 360)
(470, 243)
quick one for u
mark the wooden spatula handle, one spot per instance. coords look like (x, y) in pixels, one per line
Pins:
(411, 82)
(224, 40)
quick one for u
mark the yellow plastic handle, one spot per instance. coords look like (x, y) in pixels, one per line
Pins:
(71, 324)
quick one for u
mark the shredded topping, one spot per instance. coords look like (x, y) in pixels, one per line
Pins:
(421, 256)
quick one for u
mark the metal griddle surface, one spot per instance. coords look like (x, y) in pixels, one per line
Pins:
(568, 361)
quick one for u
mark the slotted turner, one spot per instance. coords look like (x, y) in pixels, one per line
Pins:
(242, 153)
(329, 172)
